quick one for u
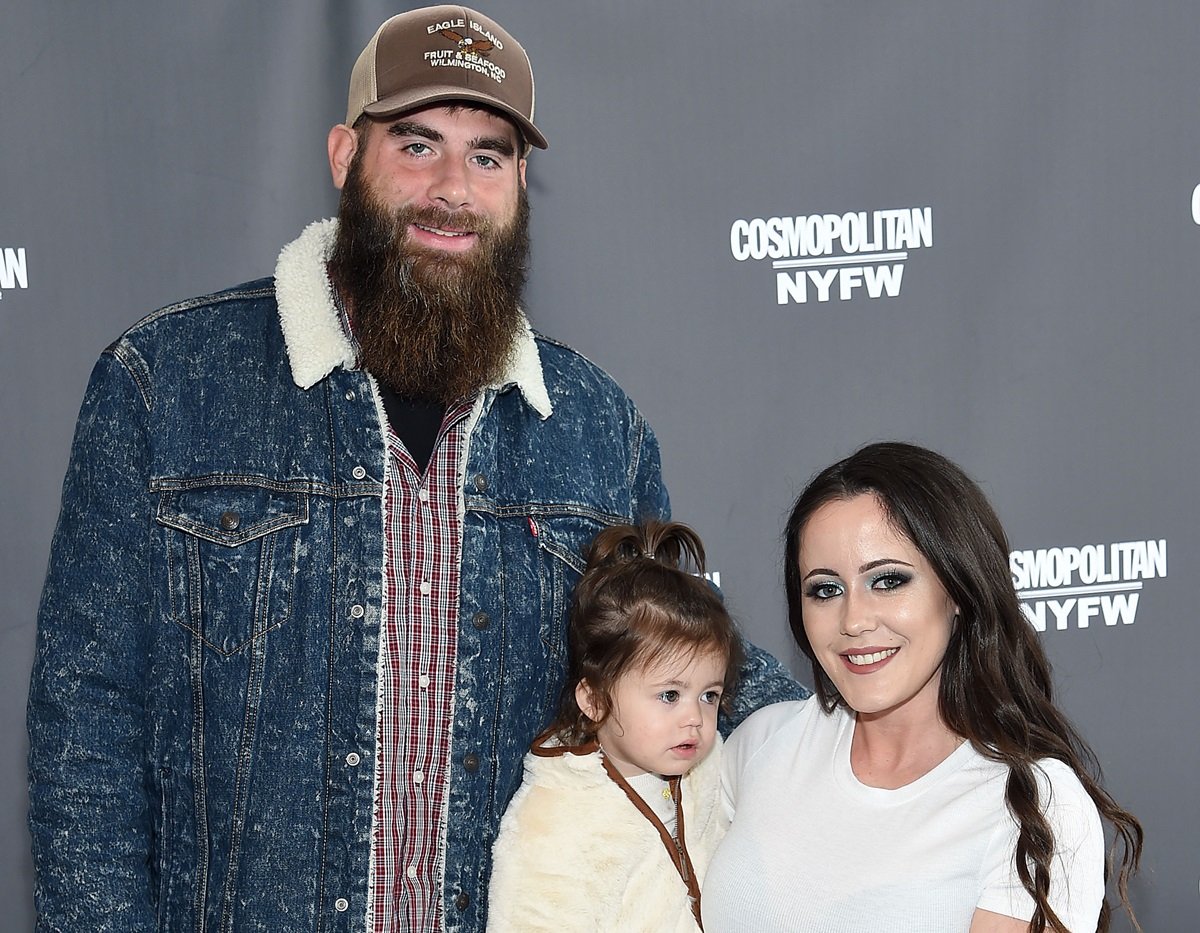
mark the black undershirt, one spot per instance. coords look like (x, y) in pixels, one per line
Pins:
(416, 422)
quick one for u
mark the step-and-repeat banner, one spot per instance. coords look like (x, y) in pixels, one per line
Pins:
(787, 228)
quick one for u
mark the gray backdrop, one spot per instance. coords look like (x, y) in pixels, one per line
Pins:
(1036, 324)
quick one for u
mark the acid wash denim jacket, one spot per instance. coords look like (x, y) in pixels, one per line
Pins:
(202, 711)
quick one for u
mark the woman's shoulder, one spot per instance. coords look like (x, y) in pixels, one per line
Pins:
(775, 716)
(789, 719)
(1059, 788)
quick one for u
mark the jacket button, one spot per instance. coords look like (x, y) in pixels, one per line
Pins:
(463, 901)
(341, 904)
(357, 611)
(480, 482)
(481, 620)
(358, 472)
(471, 763)
(230, 521)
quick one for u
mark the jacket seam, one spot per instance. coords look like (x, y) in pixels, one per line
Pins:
(133, 363)
(543, 510)
(214, 300)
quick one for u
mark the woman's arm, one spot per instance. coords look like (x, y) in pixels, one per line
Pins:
(984, 921)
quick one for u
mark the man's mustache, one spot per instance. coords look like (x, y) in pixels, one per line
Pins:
(462, 220)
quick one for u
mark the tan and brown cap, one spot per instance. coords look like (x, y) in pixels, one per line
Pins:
(443, 53)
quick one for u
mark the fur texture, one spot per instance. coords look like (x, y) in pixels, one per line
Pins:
(575, 854)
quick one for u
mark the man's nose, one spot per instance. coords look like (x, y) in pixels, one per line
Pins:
(450, 186)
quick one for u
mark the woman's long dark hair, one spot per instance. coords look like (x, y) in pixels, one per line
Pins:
(996, 688)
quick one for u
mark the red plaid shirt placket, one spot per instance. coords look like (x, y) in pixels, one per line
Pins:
(417, 656)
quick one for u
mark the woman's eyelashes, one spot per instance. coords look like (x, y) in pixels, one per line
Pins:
(821, 590)
(889, 579)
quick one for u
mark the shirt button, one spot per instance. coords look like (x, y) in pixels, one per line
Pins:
(418, 777)
(352, 759)
(357, 611)
(463, 901)
(481, 483)
(411, 871)
(471, 762)
(423, 680)
(341, 904)
(423, 495)
(425, 588)
(358, 472)
(481, 620)
(230, 521)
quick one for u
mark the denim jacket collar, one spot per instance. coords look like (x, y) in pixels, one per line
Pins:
(317, 344)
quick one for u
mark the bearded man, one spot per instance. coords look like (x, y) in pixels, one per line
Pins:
(307, 596)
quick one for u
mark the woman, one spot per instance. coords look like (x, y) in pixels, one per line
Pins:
(930, 784)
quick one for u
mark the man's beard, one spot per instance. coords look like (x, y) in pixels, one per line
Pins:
(430, 324)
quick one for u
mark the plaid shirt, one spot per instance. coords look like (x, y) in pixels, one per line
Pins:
(417, 653)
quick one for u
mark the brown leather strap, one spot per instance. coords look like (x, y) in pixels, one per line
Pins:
(676, 846)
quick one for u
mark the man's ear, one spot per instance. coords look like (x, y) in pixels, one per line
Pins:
(341, 144)
(521, 171)
(586, 698)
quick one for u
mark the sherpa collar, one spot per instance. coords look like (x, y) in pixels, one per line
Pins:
(317, 344)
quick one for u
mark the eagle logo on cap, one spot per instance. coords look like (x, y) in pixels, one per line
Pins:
(467, 45)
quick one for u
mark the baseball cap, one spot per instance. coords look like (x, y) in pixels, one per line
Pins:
(443, 53)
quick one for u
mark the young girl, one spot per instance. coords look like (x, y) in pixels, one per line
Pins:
(619, 811)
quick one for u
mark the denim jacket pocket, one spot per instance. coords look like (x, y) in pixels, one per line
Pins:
(231, 553)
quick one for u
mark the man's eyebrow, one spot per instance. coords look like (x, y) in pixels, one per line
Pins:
(412, 128)
(499, 144)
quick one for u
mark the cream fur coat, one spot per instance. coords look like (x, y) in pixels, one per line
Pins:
(575, 854)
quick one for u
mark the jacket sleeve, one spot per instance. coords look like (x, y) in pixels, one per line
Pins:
(649, 497)
(88, 815)
(764, 680)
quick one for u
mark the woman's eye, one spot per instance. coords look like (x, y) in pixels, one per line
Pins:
(826, 590)
(889, 581)
(669, 696)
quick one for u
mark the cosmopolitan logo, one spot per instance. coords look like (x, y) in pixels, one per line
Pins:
(12, 269)
(835, 256)
(1074, 587)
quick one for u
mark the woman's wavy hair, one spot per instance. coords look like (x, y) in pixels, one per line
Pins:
(996, 688)
(641, 601)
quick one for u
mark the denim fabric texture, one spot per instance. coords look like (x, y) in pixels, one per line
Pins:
(202, 709)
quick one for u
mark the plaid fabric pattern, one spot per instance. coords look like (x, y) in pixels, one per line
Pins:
(416, 682)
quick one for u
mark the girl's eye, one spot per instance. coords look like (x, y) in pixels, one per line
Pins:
(889, 580)
(669, 696)
(712, 697)
(823, 589)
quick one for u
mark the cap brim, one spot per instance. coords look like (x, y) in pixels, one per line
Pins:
(402, 103)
